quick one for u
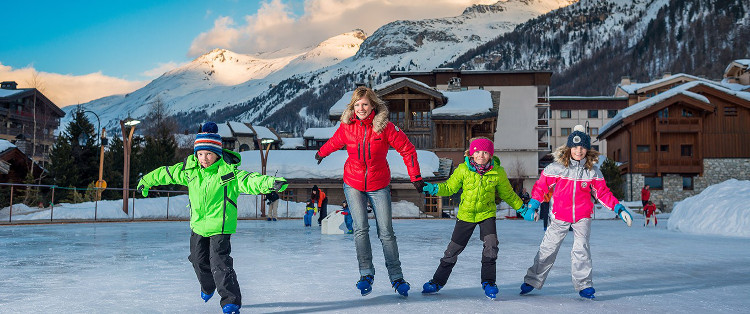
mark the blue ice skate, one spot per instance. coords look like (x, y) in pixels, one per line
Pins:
(401, 286)
(526, 288)
(431, 287)
(206, 296)
(490, 290)
(231, 309)
(365, 284)
(587, 293)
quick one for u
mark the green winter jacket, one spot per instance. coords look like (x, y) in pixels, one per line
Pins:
(479, 191)
(212, 191)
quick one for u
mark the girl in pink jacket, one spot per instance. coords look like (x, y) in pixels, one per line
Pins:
(575, 179)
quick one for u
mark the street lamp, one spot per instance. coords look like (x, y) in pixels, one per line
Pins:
(263, 161)
(83, 138)
(126, 140)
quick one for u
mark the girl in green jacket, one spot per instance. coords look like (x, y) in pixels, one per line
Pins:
(214, 183)
(482, 178)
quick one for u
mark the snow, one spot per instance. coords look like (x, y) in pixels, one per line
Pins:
(338, 108)
(301, 164)
(720, 209)
(633, 88)
(292, 142)
(739, 62)
(10, 92)
(239, 127)
(265, 133)
(224, 130)
(465, 103)
(321, 133)
(5, 145)
(184, 140)
(399, 80)
(142, 267)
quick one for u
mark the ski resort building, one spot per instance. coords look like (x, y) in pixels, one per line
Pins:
(593, 112)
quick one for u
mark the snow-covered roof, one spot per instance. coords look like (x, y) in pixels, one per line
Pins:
(745, 63)
(264, 132)
(637, 107)
(5, 145)
(292, 142)
(10, 92)
(465, 103)
(338, 108)
(634, 88)
(399, 80)
(734, 86)
(301, 164)
(321, 133)
(224, 130)
(239, 127)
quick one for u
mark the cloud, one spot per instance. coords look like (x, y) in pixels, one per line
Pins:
(274, 26)
(161, 69)
(65, 90)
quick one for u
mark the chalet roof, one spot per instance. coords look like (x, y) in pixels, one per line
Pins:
(384, 89)
(684, 89)
(739, 63)
(240, 128)
(12, 94)
(475, 103)
(292, 142)
(320, 133)
(264, 133)
(224, 130)
(5, 145)
(642, 87)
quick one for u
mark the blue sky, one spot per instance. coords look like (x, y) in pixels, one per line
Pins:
(118, 38)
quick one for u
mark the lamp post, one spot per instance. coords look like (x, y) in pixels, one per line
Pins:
(127, 137)
(100, 184)
(263, 162)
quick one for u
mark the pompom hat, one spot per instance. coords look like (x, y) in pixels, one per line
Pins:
(579, 138)
(208, 139)
(481, 144)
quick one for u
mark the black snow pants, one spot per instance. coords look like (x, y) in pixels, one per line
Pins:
(214, 267)
(323, 210)
(544, 213)
(461, 235)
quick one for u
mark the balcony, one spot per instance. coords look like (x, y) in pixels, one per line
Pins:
(679, 165)
(678, 125)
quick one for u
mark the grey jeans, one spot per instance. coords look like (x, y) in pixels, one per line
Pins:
(381, 207)
(580, 255)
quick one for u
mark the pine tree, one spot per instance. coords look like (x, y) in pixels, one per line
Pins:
(74, 158)
(614, 179)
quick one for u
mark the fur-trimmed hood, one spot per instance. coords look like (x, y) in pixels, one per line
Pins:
(378, 123)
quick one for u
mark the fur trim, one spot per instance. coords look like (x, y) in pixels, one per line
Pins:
(562, 156)
(379, 122)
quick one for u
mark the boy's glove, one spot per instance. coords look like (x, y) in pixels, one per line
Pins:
(529, 210)
(142, 188)
(430, 188)
(318, 158)
(279, 185)
(624, 214)
(419, 185)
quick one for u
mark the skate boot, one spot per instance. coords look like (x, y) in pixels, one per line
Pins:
(206, 296)
(401, 286)
(365, 284)
(526, 288)
(231, 309)
(490, 289)
(587, 293)
(431, 287)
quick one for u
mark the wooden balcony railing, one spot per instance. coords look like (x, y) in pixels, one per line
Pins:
(678, 125)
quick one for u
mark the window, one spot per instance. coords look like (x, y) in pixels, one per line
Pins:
(664, 148)
(595, 147)
(664, 113)
(611, 113)
(655, 183)
(687, 183)
(687, 113)
(686, 150)
(593, 131)
(730, 111)
(564, 131)
(564, 114)
(593, 113)
(643, 148)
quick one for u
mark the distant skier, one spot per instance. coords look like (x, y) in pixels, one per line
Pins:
(574, 176)
(214, 183)
(482, 178)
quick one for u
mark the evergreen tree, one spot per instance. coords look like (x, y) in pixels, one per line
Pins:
(614, 179)
(74, 158)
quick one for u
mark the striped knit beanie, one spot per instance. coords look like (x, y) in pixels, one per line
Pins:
(208, 139)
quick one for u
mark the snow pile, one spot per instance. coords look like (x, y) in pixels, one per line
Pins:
(721, 209)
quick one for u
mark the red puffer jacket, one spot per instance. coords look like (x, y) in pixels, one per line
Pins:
(366, 168)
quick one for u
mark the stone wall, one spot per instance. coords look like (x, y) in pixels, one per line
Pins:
(714, 171)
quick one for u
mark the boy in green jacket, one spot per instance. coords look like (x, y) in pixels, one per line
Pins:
(481, 178)
(214, 183)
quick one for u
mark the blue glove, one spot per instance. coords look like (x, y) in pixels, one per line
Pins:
(624, 214)
(529, 211)
(431, 188)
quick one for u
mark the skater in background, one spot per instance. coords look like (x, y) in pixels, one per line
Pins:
(214, 182)
(482, 178)
(309, 213)
(574, 177)
(367, 135)
(650, 211)
(321, 200)
(272, 200)
(544, 208)
(645, 194)
(347, 217)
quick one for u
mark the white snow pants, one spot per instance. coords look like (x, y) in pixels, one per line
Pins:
(580, 255)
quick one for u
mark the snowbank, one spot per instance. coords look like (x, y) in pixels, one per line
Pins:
(721, 209)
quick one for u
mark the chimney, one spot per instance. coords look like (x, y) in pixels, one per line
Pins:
(625, 80)
(8, 85)
(666, 74)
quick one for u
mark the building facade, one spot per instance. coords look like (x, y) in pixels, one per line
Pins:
(594, 112)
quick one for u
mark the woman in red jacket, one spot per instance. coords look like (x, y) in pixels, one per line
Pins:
(367, 134)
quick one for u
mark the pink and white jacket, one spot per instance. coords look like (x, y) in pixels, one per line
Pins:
(573, 187)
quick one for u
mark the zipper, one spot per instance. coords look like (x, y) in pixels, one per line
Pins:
(224, 215)
(364, 139)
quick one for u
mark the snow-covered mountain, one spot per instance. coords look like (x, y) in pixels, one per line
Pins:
(222, 85)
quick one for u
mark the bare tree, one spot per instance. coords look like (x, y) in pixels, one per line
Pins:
(37, 83)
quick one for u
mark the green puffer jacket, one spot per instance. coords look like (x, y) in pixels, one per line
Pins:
(478, 197)
(213, 191)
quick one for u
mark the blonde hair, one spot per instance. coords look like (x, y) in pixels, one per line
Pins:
(381, 110)
(562, 155)
(362, 92)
